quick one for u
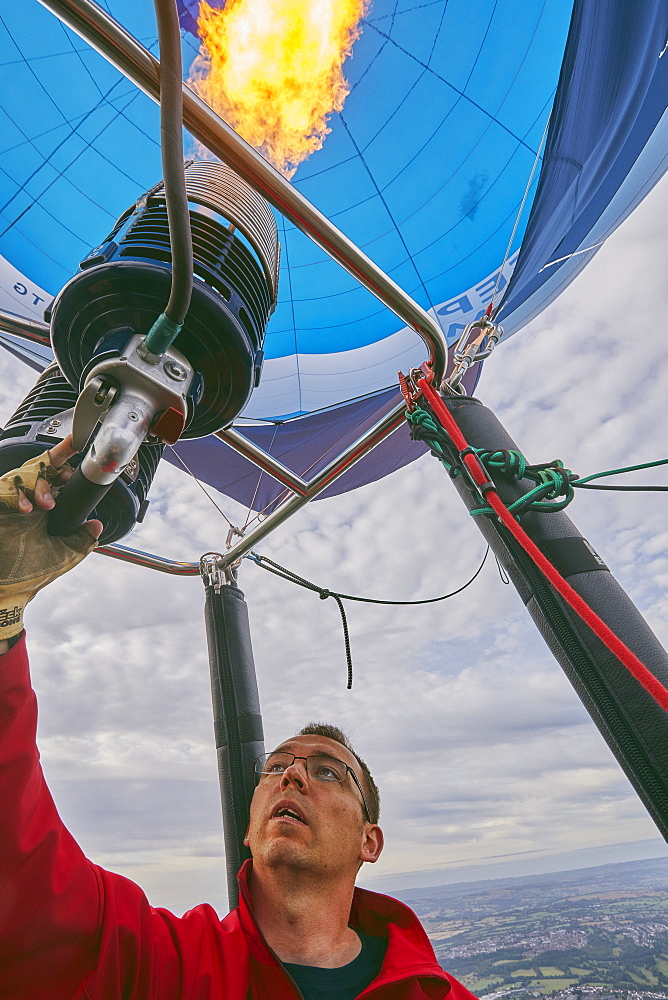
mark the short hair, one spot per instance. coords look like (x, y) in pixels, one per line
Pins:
(334, 733)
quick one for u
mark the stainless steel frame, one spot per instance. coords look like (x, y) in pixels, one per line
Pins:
(171, 566)
(117, 46)
(27, 329)
(364, 444)
(264, 461)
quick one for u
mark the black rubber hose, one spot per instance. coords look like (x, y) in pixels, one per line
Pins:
(171, 138)
(75, 501)
(79, 496)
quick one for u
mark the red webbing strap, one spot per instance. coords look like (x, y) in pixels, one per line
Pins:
(479, 475)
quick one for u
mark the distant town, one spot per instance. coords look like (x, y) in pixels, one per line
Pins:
(593, 934)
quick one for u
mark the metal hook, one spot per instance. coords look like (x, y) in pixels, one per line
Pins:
(469, 350)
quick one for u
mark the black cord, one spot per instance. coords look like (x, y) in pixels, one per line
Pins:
(346, 636)
(502, 571)
(287, 574)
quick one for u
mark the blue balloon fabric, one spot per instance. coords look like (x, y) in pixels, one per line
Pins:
(440, 142)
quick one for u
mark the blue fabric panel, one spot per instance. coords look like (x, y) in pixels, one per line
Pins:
(305, 445)
(611, 95)
(425, 166)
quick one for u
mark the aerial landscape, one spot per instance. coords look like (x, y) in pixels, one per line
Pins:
(595, 932)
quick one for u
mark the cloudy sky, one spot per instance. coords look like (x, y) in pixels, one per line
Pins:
(488, 764)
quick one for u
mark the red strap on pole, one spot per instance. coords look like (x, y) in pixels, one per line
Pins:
(602, 631)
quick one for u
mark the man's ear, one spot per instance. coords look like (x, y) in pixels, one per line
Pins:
(373, 843)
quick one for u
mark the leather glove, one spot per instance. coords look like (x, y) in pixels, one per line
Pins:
(29, 557)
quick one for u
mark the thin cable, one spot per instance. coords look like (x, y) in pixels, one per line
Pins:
(259, 480)
(278, 501)
(568, 256)
(521, 208)
(621, 489)
(287, 574)
(626, 468)
(208, 495)
(427, 600)
(285, 494)
(586, 484)
(505, 579)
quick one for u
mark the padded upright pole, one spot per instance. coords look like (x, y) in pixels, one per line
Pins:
(630, 720)
(237, 719)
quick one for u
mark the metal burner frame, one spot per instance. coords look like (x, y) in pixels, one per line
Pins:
(124, 52)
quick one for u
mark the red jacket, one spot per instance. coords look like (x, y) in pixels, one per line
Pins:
(70, 930)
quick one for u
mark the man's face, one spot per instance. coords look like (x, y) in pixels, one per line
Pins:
(331, 836)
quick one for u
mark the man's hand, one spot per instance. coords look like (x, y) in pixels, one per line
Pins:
(29, 557)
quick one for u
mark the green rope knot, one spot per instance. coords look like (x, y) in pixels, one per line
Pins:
(418, 416)
(552, 479)
(508, 462)
(424, 428)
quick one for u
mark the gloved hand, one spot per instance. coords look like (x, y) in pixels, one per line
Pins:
(29, 557)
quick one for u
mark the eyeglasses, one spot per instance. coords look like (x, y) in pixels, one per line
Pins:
(317, 766)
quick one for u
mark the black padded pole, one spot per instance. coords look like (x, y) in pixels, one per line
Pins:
(632, 723)
(237, 719)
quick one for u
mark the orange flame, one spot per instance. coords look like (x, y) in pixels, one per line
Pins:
(273, 70)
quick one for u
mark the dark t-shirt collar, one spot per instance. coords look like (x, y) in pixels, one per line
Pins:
(346, 982)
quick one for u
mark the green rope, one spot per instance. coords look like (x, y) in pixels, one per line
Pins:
(628, 468)
(552, 479)
(424, 428)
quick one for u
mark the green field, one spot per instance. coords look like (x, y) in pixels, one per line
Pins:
(602, 928)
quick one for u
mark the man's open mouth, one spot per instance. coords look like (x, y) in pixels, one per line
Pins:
(287, 812)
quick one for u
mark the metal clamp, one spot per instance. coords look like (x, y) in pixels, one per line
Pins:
(212, 570)
(122, 396)
(469, 350)
(58, 426)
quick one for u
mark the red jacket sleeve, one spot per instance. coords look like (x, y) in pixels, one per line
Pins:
(70, 930)
(49, 892)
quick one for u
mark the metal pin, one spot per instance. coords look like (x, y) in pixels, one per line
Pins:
(175, 371)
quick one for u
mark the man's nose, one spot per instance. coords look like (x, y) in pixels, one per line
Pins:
(295, 774)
